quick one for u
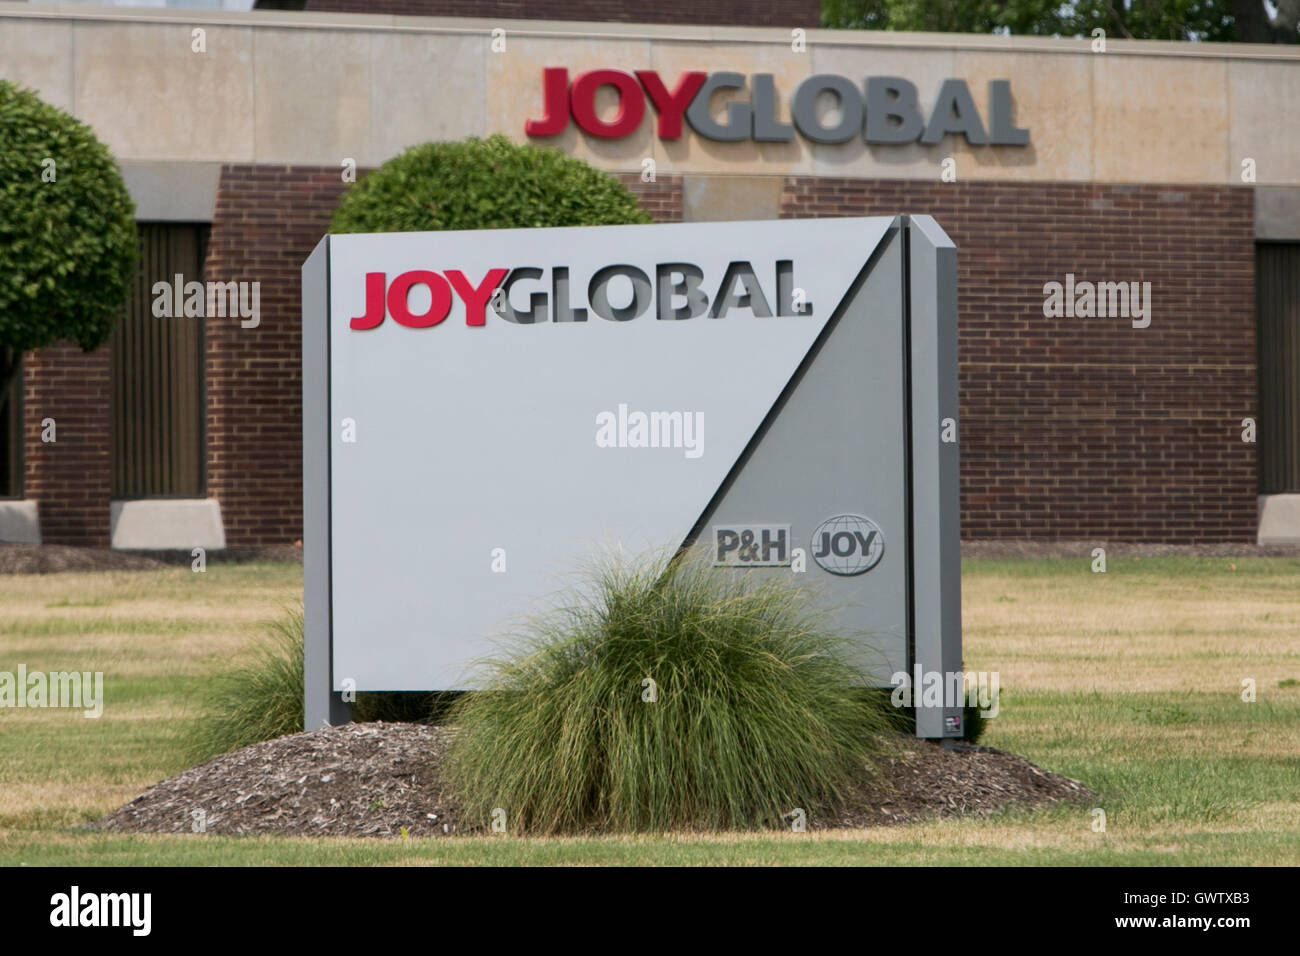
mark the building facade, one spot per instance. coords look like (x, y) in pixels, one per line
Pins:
(1127, 221)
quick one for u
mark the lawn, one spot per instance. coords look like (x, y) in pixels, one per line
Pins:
(1129, 680)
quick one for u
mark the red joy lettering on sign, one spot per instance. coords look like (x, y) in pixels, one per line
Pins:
(438, 308)
(555, 103)
(374, 313)
(381, 304)
(560, 101)
(631, 103)
(475, 299)
(671, 106)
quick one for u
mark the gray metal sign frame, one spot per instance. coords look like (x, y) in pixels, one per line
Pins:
(924, 263)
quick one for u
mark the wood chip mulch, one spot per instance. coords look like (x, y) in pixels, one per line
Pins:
(54, 558)
(375, 779)
(354, 780)
(1082, 549)
(921, 780)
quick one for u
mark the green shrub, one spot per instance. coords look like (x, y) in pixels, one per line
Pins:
(258, 701)
(756, 712)
(973, 724)
(67, 228)
(262, 700)
(483, 184)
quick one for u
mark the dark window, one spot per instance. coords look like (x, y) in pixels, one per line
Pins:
(1277, 301)
(157, 374)
(11, 424)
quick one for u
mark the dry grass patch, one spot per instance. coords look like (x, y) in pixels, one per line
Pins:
(1186, 772)
(1120, 631)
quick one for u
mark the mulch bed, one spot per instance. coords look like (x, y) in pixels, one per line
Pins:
(376, 779)
(927, 780)
(52, 558)
(352, 780)
(1082, 549)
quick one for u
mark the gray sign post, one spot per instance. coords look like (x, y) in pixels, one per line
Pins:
(936, 495)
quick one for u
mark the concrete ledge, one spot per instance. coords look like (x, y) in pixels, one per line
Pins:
(172, 192)
(269, 19)
(1279, 519)
(166, 523)
(1277, 213)
(20, 522)
(730, 197)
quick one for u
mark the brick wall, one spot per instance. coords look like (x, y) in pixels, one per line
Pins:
(267, 221)
(1071, 428)
(70, 477)
(662, 199)
(780, 13)
(1087, 427)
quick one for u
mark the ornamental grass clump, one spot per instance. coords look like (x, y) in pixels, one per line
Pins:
(669, 695)
(262, 698)
(255, 701)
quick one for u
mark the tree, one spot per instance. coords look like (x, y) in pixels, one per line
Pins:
(67, 232)
(484, 184)
(1245, 21)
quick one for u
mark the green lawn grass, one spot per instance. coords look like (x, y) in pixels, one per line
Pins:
(1130, 681)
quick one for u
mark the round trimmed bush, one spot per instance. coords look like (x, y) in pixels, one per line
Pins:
(754, 713)
(67, 228)
(484, 184)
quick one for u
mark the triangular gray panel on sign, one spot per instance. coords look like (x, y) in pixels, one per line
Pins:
(835, 446)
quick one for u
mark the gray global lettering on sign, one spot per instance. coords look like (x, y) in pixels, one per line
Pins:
(675, 293)
(848, 544)
(890, 113)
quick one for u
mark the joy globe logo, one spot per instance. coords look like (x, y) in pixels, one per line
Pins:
(848, 544)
